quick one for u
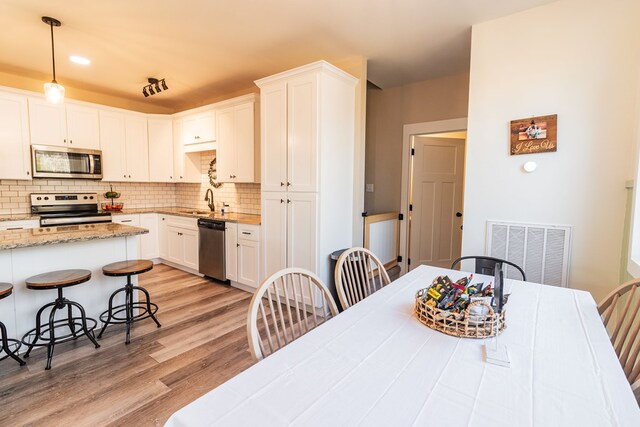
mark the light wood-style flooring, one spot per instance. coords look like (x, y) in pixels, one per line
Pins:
(201, 344)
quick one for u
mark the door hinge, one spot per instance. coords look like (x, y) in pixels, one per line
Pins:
(399, 259)
(413, 151)
(400, 217)
(411, 208)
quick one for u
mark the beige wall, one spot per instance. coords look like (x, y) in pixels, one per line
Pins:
(388, 110)
(587, 74)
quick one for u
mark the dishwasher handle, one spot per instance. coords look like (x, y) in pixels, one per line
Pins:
(211, 225)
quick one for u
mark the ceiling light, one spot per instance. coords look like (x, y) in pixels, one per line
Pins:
(158, 84)
(53, 91)
(79, 60)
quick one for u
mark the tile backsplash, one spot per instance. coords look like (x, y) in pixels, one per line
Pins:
(242, 198)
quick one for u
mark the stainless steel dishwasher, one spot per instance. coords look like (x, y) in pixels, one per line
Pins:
(211, 248)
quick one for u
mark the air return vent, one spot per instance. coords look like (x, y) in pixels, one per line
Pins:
(541, 250)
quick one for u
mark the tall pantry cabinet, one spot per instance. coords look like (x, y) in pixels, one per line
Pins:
(307, 153)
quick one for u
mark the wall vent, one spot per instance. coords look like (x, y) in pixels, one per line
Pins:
(543, 251)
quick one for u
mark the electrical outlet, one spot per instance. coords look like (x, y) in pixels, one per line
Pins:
(369, 188)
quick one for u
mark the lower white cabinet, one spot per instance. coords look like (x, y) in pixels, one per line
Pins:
(148, 247)
(242, 244)
(231, 251)
(178, 240)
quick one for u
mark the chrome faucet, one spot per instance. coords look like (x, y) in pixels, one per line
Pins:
(208, 197)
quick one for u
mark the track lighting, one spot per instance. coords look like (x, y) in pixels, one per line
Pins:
(154, 83)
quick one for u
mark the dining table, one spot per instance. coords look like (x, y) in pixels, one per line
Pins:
(375, 364)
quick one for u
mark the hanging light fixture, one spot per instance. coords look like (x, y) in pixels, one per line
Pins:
(54, 92)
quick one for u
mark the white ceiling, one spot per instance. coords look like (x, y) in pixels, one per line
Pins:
(208, 46)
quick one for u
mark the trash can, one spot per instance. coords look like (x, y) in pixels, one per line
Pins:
(332, 280)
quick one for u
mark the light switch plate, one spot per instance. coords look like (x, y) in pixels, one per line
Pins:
(369, 188)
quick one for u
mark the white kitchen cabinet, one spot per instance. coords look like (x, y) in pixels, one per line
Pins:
(307, 122)
(236, 140)
(137, 148)
(231, 251)
(199, 127)
(186, 166)
(15, 155)
(160, 149)
(19, 224)
(149, 244)
(248, 267)
(125, 152)
(68, 125)
(178, 241)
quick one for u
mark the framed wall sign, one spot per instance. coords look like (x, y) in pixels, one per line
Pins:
(534, 135)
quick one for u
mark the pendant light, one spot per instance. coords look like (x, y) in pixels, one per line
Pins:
(53, 91)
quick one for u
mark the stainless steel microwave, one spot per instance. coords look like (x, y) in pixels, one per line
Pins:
(62, 162)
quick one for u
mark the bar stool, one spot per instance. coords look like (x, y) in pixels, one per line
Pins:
(113, 315)
(6, 289)
(77, 325)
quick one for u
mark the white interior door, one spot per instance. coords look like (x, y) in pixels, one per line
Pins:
(437, 190)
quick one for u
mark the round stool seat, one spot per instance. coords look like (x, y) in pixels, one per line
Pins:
(127, 268)
(58, 279)
(6, 289)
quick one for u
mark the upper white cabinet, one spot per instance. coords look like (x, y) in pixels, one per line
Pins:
(199, 127)
(236, 140)
(15, 157)
(124, 146)
(70, 125)
(186, 165)
(307, 122)
(160, 149)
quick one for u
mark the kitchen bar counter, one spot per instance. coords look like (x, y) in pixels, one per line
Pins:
(240, 218)
(28, 237)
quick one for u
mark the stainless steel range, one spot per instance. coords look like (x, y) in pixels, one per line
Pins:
(67, 209)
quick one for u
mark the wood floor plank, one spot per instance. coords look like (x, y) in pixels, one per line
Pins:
(202, 343)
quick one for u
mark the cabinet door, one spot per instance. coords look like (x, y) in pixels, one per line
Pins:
(112, 142)
(149, 242)
(47, 123)
(163, 237)
(302, 133)
(200, 127)
(273, 131)
(186, 166)
(244, 143)
(15, 156)
(175, 245)
(274, 232)
(160, 150)
(137, 150)
(190, 243)
(248, 262)
(83, 129)
(226, 155)
(302, 230)
(231, 251)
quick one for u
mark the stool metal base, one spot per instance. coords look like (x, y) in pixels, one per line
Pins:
(45, 335)
(9, 347)
(112, 316)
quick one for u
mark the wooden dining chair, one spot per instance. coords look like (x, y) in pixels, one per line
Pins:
(359, 273)
(486, 265)
(620, 312)
(284, 307)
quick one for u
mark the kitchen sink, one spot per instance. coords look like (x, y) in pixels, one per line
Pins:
(194, 212)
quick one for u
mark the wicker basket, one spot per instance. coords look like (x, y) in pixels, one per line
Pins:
(463, 325)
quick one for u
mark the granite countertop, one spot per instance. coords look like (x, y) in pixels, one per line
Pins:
(13, 239)
(240, 218)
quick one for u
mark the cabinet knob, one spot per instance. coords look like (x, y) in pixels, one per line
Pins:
(124, 176)
(288, 183)
(237, 245)
(129, 176)
(281, 201)
(64, 140)
(180, 176)
(28, 173)
(71, 141)
(170, 177)
(281, 184)
(288, 201)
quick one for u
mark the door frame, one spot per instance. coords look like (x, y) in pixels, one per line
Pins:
(408, 132)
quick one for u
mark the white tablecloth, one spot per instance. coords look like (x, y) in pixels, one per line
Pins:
(375, 364)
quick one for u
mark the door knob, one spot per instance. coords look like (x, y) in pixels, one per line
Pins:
(458, 214)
